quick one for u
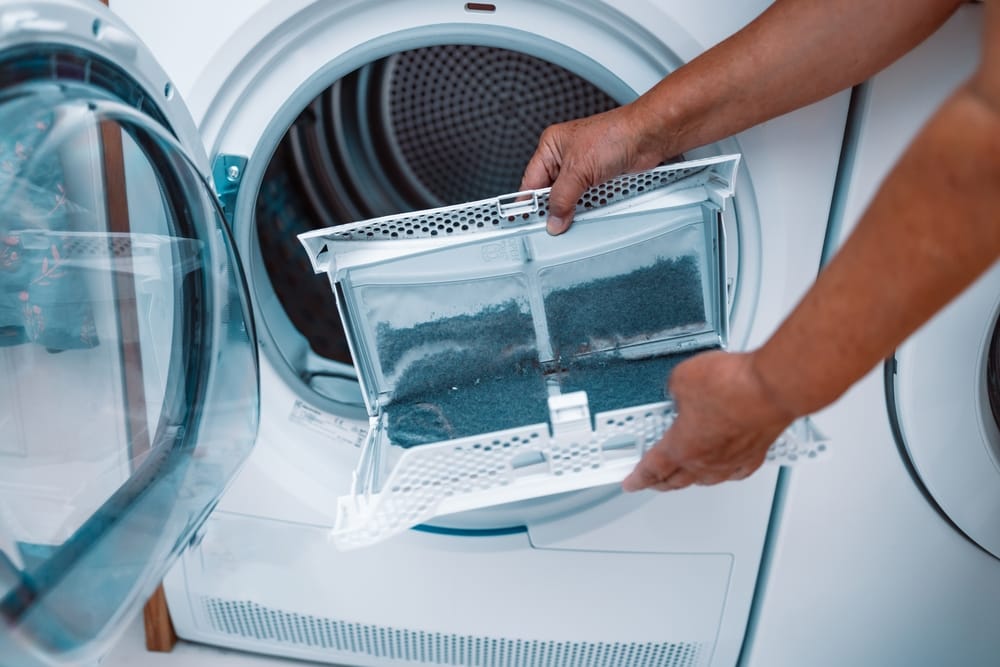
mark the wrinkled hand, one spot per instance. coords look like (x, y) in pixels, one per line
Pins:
(575, 155)
(727, 417)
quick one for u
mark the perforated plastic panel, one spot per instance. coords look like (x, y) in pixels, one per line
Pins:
(147, 255)
(274, 629)
(506, 466)
(77, 246)
(491, 215)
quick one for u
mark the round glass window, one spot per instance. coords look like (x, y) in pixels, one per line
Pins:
(128, 374)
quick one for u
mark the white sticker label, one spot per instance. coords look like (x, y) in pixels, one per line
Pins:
(347, 431)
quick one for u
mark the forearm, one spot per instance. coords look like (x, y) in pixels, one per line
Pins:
(931, 230)
(795, 53)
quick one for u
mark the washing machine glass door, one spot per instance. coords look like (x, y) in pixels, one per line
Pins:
(944, 391)
(128, 370)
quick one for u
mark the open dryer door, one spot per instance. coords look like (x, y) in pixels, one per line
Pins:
(128, 369)
(944, 393)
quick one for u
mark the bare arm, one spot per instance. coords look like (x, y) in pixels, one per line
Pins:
(931, 230)
(795, 53)
(933, 227)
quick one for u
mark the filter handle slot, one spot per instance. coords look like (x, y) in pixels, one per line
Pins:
(514, 206)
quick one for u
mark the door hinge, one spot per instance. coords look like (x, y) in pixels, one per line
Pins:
(227, 175)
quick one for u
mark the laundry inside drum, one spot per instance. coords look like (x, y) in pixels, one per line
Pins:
(428, 127)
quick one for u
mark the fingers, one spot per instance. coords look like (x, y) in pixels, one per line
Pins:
(567, 186)
(542, 168)
(678, 480)
(565, 193)
(722, 431)
(653, 468)
(643, 477)
(550, 166)
(662, 468)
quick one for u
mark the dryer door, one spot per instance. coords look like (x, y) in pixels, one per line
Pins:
(946, 395)
(128, 369)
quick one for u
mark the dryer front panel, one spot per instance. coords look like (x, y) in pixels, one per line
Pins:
(128, 370)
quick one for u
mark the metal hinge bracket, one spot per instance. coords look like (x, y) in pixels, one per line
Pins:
(227, 175)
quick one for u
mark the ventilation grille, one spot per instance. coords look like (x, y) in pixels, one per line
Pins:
(487, 214)
(271, 626)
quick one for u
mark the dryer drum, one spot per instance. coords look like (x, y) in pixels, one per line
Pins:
(427, 127)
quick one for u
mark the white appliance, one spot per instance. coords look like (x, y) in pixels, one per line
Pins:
(591, 578)
(889, 554)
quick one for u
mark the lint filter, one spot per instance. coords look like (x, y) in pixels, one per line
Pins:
(499, 363)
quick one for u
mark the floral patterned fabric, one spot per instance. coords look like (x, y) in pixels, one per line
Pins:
(41, 299)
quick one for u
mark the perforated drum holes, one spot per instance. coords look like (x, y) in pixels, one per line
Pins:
(466, 119)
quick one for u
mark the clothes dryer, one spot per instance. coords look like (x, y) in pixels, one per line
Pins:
(313, 113)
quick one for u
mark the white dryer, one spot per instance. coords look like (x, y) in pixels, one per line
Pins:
(317, 113)
(889, 555)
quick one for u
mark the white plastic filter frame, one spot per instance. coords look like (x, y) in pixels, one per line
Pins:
(518, 464)
(396, 240)
(709, 179)
(395, 489)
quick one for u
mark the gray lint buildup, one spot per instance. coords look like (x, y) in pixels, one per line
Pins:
(628, 308)
(613, 383)
(481, 371)
(483, 376)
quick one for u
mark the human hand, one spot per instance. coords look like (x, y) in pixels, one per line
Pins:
(727, 417)
(578, 154)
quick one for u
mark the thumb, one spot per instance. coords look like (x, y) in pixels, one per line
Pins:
(656, 465)
(639, 479)
(565, 193)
